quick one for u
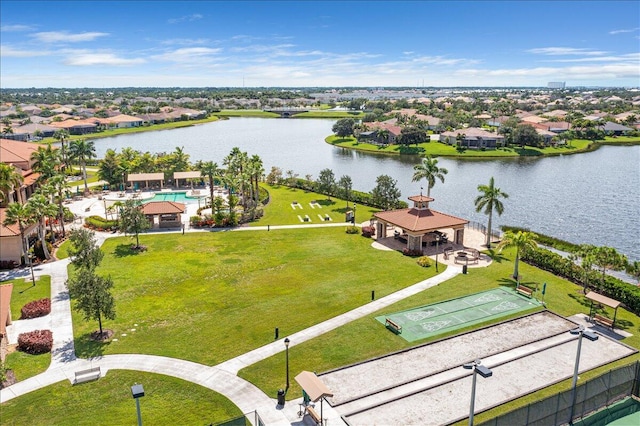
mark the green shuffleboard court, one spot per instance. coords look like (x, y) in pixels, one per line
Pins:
(431, 320)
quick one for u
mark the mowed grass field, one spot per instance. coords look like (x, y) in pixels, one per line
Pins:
(108, 401)
(208, 297)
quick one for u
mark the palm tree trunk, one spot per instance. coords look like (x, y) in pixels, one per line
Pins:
(84, 176)
(489, 230)
(515, 269)
(42, 234)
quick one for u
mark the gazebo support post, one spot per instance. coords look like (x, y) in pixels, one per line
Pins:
(615, 314)
(591, 311)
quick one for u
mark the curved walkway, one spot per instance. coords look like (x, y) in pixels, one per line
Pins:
(221, 378)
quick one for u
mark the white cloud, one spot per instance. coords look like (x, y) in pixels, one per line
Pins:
(634, 57)
(187, 55)
(186, 18)
(16, 28)
(633, 30)
(185, 41)
(11, 52)
(101, 59)
(66, 37)
(555, 51)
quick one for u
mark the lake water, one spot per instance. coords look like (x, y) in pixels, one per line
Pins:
(587, 198)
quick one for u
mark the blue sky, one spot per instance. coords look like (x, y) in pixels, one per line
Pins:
(314, 43)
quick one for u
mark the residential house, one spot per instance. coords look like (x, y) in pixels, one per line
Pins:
(614, 129)
(472, 138)
(76, 127)
(125, 121)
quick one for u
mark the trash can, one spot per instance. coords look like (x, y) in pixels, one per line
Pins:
(464, 269)
(281, 395)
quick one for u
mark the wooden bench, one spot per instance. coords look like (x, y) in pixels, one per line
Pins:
(87, 375)
(525, 291)
(314, 415)
(603, 321)
(393, 326)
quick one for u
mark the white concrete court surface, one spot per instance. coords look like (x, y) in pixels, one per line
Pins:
(427, 385)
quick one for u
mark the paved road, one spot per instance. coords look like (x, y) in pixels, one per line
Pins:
(221, 378)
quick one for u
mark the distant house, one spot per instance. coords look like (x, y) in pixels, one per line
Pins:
(75, 127)
(614, 129)
(547, 136)
(385, 133)
(472, 138)
(125, 121)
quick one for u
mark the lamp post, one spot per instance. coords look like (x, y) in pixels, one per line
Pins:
(286, 345)
(137, 391)
(33, 278)
(437, 246)
(354, 213)
(484, 372)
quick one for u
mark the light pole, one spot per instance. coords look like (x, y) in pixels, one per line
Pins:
(484, 372)
(354, 213)
(437, 246)
(580, 332)
(137, 391)
(33, 278)
(286, 345)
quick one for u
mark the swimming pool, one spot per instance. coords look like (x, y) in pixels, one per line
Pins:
(179, 197)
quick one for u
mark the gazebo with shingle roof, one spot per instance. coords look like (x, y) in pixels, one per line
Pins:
(418, 221)
(169, 213)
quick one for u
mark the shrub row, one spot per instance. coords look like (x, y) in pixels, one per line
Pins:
(547, 240)
(610, 286)
(36, 309)
(99, 223)
(35, 342)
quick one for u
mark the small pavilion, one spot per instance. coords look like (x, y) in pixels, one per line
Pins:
(169, 213)
(156, 179)
(420, 224)
(314, 388)
(184, 178)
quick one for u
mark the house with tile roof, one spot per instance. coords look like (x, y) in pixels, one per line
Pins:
(472, 138)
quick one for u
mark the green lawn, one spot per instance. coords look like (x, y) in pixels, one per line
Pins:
(22, 364)
(230, 290)
(108, 400)
(366, 338)
(329, 114)
(280, 212)
(246, 113)
(444, 150)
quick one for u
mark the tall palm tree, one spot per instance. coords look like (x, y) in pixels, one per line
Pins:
(83, 150)
(428, 169)
(62, 135)
(211, 171)
(489, 200)
(45, 161)
(17, 213)
(40, 208)
(59, 185)
(521, 240)
(257, 170)
(10, 181)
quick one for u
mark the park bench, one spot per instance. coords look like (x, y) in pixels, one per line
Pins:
(603, 321)
(87, 375)
(314, 415)
(393, 326)
(525, 291)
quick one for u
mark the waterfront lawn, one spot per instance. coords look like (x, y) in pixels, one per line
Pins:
(366, 338)
(246, 113)
(26, 365)
(330, 114)
(211, 296)
(443, 150)
(167, 400)
(280, 212)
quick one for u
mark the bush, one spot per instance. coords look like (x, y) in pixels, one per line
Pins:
(8, 264)
(412, 253)
(36, 309)
(35, 342)
(99, 223)
(352, 230)
(368, 231)
(424, 261)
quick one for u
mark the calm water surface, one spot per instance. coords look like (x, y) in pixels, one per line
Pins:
(588, 198)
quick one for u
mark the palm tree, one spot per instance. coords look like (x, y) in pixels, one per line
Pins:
(10, 180)
(257, 170)
(17, 213)
(40, 208)
(83, 150)
(59, 185)
(428, 169)
(61, 135)
(521, 241)
(489, 200)
(45, 161)
(211, 171)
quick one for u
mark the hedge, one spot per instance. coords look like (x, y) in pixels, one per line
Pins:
(612, 287)
(36, 309)
(35, 342)
(100, 223)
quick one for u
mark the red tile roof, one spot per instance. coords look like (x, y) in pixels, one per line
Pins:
(163, 207)
(420, 220)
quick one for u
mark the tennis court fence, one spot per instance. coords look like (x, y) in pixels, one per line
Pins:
(591, 396)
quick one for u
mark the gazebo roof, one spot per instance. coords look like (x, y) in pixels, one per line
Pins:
(141, 177)
(187, 175)
(313, 386)
(163, 207)
(420, 220)
(599, 298)
(421, 198)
